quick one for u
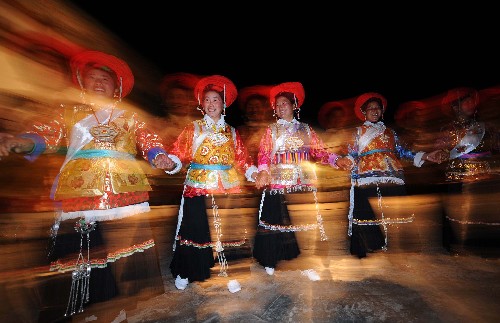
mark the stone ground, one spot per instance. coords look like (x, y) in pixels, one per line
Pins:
(415, 280)
(383, 287)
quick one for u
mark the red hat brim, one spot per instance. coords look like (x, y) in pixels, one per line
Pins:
(250, 91)
(292, 87)
(221, 84)
(118, 66)
(408, 107)
(455, 94)
(325, 117)
(181, 79)
(55, 43)
(365, 97)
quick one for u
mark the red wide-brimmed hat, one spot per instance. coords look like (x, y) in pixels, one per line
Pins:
(55, 43)
(102, 60)
(176, 80)
(292, 87)
(365, 97)
(218, 83)
(250, 91)
(327, 119)
(455, 94)
(406, 108)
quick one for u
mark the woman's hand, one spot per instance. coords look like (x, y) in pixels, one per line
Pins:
(262, 179)
(10, 143)
(437, 156)
(344, 163)
(162, 161)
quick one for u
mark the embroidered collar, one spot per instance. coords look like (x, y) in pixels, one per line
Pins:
(220, 125)
(286, 123)
(378, 124)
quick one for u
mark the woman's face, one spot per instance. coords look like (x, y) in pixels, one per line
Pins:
(100, 83)
(284, 108)
(213, 105)
(467, 106)
(373, 112)
(256, 110)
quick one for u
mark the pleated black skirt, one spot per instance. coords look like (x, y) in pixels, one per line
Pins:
(193, 256)
(125, 270)
(271, 246)
(369, 238)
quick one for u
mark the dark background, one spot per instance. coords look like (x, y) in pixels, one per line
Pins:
(405, 52)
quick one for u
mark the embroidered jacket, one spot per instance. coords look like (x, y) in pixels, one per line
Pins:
(288, 150)
(215, 155)
(97, 167)
(376, 151)
(471, 145)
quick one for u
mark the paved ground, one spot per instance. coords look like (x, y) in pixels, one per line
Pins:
(416, 280)
(384, 287)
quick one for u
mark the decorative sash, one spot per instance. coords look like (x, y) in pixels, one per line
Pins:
(372, 132)
(210, 166)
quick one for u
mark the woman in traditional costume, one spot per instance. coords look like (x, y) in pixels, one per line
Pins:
(377, 154)
(286, 157)
(216, 158)
(101, 235)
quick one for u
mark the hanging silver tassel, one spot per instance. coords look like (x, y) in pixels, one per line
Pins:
(319, 218)
(80, 277)
(218, 244)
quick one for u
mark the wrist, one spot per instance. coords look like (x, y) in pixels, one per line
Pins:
(332, 160)
(25, 146)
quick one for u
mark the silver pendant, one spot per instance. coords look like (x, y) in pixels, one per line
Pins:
(80, 277)
(104, 133)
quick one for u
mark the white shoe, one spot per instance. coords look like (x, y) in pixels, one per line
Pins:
(233, 286)
(121, 317)
(181, 283)
(269, 271)
(311, 274)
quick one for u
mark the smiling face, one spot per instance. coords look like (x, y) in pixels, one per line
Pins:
(284, 108)
(465, 106)
(99, 83)
(213, 104)
(372, 111)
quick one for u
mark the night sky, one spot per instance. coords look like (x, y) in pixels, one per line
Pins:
(409, 54)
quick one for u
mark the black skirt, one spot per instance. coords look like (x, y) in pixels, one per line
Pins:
(369, 238)
(136, 274)
(193, 258)
(271, 246)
